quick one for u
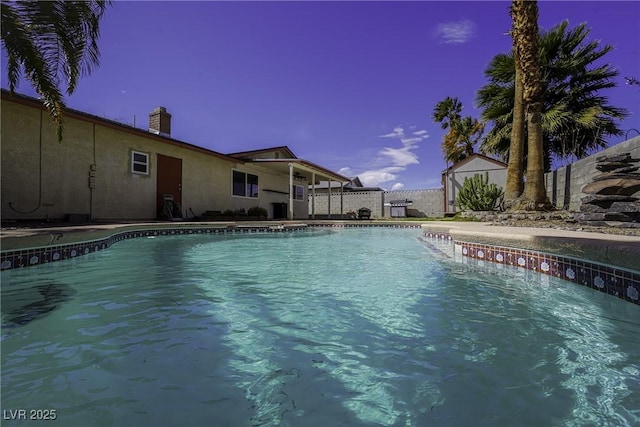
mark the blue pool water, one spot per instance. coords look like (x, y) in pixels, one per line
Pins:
(354, 327)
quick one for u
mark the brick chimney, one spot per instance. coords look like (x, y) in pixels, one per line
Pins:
(160, 121)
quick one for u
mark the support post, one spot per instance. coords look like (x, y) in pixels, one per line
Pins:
(341, 200)
(329, 200)
(290, 213)
(313, 195)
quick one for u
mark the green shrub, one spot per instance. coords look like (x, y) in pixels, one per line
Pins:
(478, 195)
(257, 211)
(228, 212)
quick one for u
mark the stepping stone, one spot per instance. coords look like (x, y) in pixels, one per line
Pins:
(624, 157)
(609, 166)
(616, 174)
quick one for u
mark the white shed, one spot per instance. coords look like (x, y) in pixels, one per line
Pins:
(453, 177)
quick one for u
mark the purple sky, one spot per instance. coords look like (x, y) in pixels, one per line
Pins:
(347, 85)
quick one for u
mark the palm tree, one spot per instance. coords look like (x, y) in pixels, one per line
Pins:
(461, 139)
(51, 41)
(464, 133)
(576, 119)
(447, 112)
(524, 14)
(515, 167)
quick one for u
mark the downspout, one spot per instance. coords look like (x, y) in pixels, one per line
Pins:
(313, 195)
(92, 175)
(290, 215)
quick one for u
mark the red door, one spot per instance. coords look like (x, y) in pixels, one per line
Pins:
(169, 180)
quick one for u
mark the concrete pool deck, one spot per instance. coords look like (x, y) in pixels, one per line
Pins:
(612, 249)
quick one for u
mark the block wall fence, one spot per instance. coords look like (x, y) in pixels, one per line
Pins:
(564, 185)
(426, 203)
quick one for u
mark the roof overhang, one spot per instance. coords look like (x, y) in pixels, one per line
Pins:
(301, 165)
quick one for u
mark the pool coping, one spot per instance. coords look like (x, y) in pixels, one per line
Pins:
(606, 262)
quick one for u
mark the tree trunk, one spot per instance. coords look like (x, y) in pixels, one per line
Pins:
(535, 192)
(525, 23)
(515, 169)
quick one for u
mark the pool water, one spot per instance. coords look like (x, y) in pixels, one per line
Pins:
(347, 327)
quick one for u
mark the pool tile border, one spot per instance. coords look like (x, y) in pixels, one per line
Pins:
(357, 225)
(28, 257)
(614, 281)
(611, 280)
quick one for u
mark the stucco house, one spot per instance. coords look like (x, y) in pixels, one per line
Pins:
(106, 170)
(453, 177)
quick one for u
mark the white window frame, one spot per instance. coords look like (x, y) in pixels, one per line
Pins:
(135, 162)
(246, 187)
(295, 192)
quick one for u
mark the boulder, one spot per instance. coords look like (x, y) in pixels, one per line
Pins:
(607, 216)
(619, 186)
(607, 199)
(609, 166)
(621, 207)
(624, 157)
(616, 174)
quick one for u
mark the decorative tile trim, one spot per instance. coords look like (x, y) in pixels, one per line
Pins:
(28, 257)
(365, 225)
(619, 282)
(438, 235)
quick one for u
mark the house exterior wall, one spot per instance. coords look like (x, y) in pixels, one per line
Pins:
(564, 185)
(273, 188)
(35, 191)
(454, 179)
(45, 179)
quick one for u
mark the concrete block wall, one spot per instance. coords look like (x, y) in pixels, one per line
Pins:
(564, 185)
(351, 201)
(426, 203)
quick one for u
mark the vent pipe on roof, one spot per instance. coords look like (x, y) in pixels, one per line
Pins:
(160, 122)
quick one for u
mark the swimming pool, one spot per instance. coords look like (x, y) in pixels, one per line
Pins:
(354, 327)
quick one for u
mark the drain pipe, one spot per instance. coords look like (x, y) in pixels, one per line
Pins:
(92, 175)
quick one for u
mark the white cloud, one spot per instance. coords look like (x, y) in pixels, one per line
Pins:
(410, 141)
(122, 91)
(346, 172)
(398, 132)
(397, 186)
(456, 32)
(400, 156)
(391, 160)
(374, 178)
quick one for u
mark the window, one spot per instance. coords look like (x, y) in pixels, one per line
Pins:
(139, 163)
(245, 184)
(298, 192)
